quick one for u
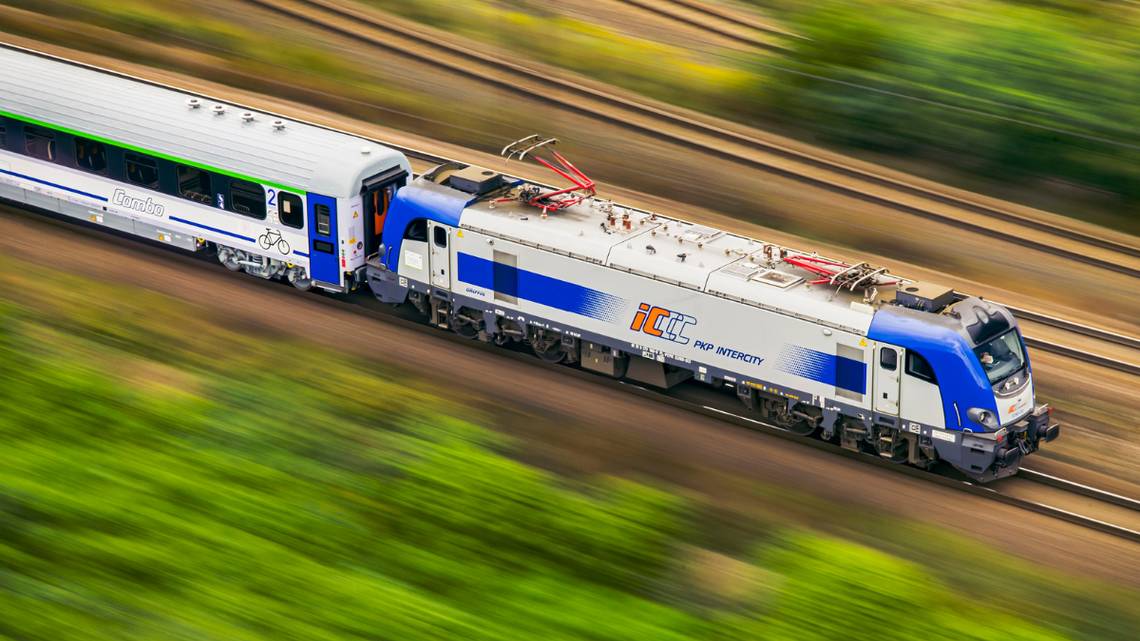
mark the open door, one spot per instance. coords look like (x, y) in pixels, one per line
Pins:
(378, 192)
(439, 239)
(887, 369)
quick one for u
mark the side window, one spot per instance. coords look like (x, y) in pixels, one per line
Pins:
(194, 184)
(3, 136)
(417, 230)
(91, 156)
(918, 367)
(142, 170)
(39, 142)
(440, 235)
(888, 359)
(247, 198)
(324, 220)
(322, 246)
(291, 210)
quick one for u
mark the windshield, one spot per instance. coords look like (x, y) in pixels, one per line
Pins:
(1001, 356)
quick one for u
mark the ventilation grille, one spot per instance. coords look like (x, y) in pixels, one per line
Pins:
(778, 279)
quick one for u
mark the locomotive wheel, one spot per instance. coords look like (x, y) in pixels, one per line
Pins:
(801, 428)
(554, 354)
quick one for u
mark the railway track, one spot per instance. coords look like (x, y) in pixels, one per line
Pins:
(1110, 513)
(365, 25)
(716, 20)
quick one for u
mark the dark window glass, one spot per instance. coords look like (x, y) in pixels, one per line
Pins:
(3, 136)
(91, 156)
(324, 220)
(440, 237)
(291, 209)
(194, 184)
(142, 170)
(247, 198)
(322, 246)
(417, 230)
(39, 142)
(888, 358)
(919, 367)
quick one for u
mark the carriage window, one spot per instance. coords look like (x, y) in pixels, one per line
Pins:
(247, 198)
(91, 156)
(888, 359)
(142, 170)
(324, 220)
(3, 136)
(291, 209)
(39, 142)
(440, 237)
(194, 184)
(919, 367)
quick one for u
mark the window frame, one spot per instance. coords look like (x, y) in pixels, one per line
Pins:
(75, 142)
(32, 131)
(288, 197)
(142, 160)
(435, 237)
(909, 368)
(245, 187)
(178, 169)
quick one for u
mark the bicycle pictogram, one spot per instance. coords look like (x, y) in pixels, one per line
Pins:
(273, 237)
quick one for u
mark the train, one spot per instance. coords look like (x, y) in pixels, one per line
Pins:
(911, 372)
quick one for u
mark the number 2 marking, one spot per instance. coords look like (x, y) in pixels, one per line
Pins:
(272, 197)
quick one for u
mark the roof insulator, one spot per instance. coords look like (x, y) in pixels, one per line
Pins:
(194, 103)
(218, 109)
(650, 250)
(247, 116)
(278, 124)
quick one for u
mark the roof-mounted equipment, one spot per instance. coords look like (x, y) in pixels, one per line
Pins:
(926, 297)
(863, 276)
(556, 199)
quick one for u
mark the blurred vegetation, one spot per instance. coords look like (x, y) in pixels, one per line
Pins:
(166, 478)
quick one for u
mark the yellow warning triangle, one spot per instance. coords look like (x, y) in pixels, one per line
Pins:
(356, 214)
(863, 342)
(460, 233)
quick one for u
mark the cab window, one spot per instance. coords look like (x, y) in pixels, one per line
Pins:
(39, 142)
(91, 156)
(919, 367)
(417, 230)
(291, 210)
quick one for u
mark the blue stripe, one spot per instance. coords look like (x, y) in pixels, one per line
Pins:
(540, 289)
(44, 182)
(213, 229)
(300, 253)
(829, 369)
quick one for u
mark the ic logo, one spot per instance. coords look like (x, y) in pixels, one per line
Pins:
(662, 323)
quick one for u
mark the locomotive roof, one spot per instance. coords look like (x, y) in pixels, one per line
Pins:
(156, 119)
(688, 255)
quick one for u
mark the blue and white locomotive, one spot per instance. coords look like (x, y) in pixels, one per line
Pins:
(906, 370)
(909, 371)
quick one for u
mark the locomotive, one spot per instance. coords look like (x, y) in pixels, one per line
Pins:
(912, 372)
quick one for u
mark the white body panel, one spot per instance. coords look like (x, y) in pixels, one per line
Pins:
(921, 401)
(48, 185)
(1015, 408)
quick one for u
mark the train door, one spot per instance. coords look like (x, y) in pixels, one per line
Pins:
(439, 239)
(324, 264)
(378, 192)
(887, 369)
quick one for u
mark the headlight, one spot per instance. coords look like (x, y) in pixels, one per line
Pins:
(985, 418)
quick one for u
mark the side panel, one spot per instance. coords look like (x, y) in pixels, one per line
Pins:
(324, 250)
(888, 368)
(706, 334)
(921, 401)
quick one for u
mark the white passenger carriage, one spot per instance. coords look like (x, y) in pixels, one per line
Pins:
(274, 197)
